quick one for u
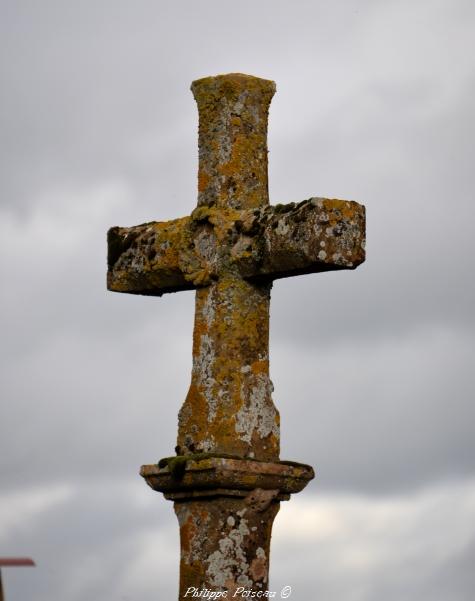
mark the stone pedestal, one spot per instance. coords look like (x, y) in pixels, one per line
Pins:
(225, 508)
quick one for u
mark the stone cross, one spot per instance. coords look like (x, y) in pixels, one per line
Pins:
(227, 479)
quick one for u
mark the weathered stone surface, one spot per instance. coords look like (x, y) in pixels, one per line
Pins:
(225, 544)
(318, 234)
(145, 259)
(228, 408)
(185, 476)
(230, 249)
(227, 480)
(232, 140)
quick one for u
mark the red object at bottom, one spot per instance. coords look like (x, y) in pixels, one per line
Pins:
(16, 561)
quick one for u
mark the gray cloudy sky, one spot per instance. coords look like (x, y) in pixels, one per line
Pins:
(373, 369)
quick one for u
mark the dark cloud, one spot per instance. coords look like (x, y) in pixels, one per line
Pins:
(88, 543)
(379, 417)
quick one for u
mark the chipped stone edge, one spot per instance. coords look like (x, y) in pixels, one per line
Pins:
(228, 477)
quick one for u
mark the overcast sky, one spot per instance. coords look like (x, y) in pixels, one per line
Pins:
(373, 369)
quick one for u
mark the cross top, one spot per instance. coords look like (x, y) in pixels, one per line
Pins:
(232, 142)
(230, 249)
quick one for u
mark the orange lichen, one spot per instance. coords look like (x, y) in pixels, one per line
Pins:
(187, 532)
(203, 180)
(233, 139)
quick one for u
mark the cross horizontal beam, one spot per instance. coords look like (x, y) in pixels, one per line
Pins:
(267, 243)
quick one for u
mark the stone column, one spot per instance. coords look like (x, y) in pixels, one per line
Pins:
(225, 508)
(225, 544)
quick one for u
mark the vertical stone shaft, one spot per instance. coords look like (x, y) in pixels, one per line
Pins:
(232, 141)
(225, 540)
(225, 545)
(229, 408)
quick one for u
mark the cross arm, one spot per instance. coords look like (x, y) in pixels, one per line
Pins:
(145, 259)
(315, 235)
(272, 242)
